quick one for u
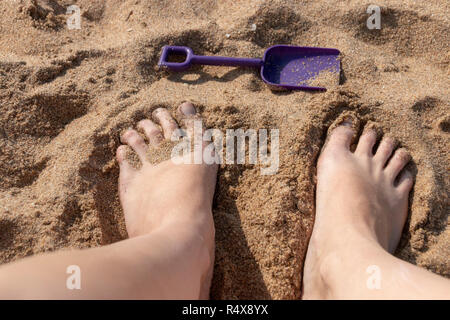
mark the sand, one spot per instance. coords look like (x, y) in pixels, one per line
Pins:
(65, 96)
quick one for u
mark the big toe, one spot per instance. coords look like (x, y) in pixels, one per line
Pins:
(342, 133)
(187, 109)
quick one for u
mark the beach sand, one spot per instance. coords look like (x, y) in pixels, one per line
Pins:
(65, 96)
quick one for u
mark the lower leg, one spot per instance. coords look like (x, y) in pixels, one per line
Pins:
(169, 263)
(365, 270)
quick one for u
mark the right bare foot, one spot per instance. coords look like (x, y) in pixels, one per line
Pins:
(361, 202)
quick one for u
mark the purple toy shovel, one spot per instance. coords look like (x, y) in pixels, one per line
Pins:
(282, 66)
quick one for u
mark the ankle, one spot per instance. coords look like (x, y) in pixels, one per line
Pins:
(197, 232)
(337, 267)
(199, 221)
(332, 256)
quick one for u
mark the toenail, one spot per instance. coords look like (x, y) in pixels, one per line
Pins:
(154, 132)
(157, 111)
(121, 153)
(142, 123)
(347, 122)
(124, 135)
(390, 141)
(404, 155)
(128, 134)
(187, 109)
(370, 131)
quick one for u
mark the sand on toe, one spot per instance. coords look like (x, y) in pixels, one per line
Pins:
(65, 96)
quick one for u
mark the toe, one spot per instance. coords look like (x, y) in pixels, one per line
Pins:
(384, 151)
(126, 170)
(189, 118)
(397, 163)
(366, 143)
(136, 142)
(121, 153)
(152, 131)
(405, 182)
(187, 109)
(166, 121)
(342, 135)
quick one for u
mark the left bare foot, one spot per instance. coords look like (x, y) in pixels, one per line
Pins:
(168, 195)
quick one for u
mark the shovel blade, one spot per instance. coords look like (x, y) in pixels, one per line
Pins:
(292, 67)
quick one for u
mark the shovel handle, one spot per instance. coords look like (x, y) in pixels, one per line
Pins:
(191, 58)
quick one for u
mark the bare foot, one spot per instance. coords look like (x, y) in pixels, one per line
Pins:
(361, 202)
(168, 195)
